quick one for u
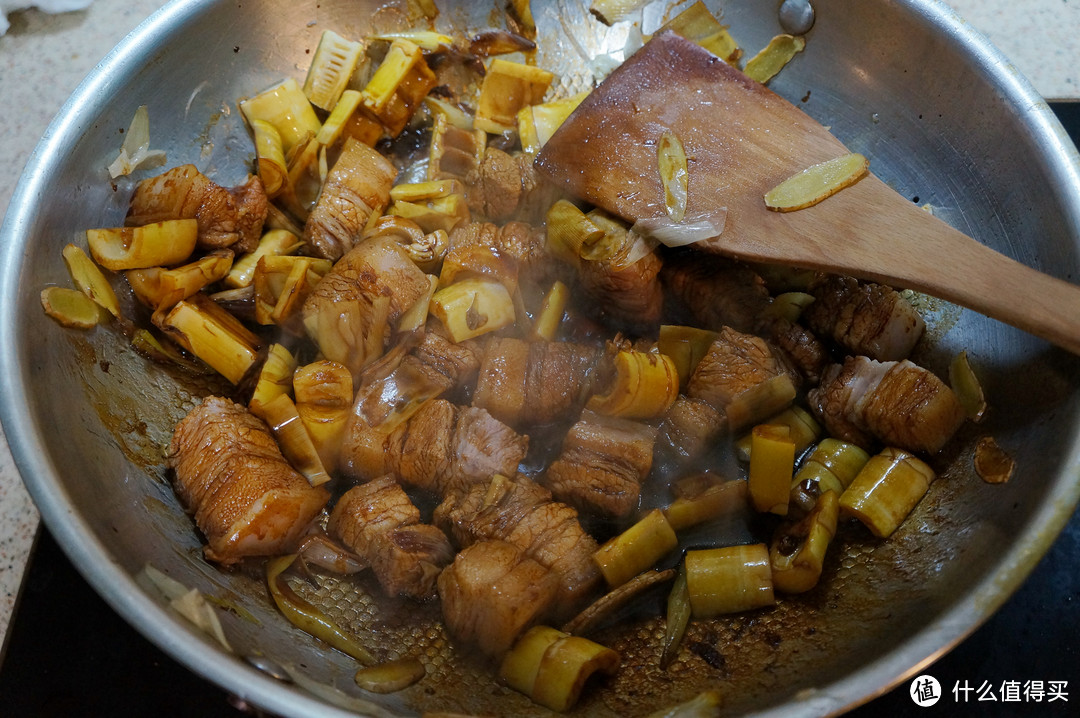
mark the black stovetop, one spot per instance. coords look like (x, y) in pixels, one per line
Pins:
(68, 654)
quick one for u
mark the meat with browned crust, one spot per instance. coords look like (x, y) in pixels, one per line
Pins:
(864, 318)
(229, 472)
(379, 522)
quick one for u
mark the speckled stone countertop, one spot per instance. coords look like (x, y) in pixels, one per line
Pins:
(43, 58)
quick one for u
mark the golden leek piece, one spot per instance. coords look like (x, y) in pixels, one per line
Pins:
(433, 215)
(685, 345)
(797, 553)
(552, 667)
(790, 305)
(968, 390)
(636, 549)
(335, 123)
(610, 12)
(537, 123)
(284, 420)
(71, 308)
(772, 58)
(817, 183)
(729, 579)
(645, 385)
(697, 24)
(391, 676)
(570, 231)
(452, 115)
(674, 175)
(520, 12)
(428, 40)
(163, 351)
(416, 316)
(398, 86)
(508, 87)
(89, 280)
(286, 107)
(324, 397)
(760, 401)
(282, 283)
(305, 178)
(275, 376)
(274, 243)
(455, 151)
(160, 288)
(307, 617)
(886, 490)
(153, 245)
(831, 466)
(804, 428)
(678, 617)
(328, 75)
(425, 191)
(550, 315)
(718, 500)
(135, 152)
(473, 306)
(270, 157)
(609, 604)
(772, 462)
(212, 334)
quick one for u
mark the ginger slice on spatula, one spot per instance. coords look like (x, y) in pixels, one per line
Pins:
(741, 141)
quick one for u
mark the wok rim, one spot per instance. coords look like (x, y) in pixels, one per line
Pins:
(197, 653)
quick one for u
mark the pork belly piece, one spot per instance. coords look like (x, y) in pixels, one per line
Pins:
(357, 186)
(523, 513)
(734, 363)
(226, 218)
(898, 403)
(492, 592)
(864, 318)
(538, 382)
(379, 522)
(624, 296)
(501, 184)
(690, 426)
(352, 309)
(714, 291)
(458, 362)
(602, 464)
(229, 472)
(802, 348)
(439, 447)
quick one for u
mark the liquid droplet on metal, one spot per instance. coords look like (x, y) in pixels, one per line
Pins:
(796, 16)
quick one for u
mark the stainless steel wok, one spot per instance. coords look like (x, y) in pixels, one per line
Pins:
(944, 118)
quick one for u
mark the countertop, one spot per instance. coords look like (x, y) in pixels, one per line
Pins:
(43, 57)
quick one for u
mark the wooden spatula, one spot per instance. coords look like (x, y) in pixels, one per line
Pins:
(742, 140)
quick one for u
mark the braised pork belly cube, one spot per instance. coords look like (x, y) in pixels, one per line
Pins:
(352, 310)
(229, 472)
(458, 362)
(804, 350)
(523, 513)
(624, 296)
(690, 426)
(537, 382)
(439, 447)
(501, 184)
(864, 318)
(230, 218)
(602, 464)
(357, 186)
(715, 291)
(379, 522)
(897, 403)
(492, 592)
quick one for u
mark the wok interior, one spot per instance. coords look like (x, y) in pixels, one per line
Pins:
(890, 86)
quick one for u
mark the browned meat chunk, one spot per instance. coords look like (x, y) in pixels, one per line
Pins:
(440, 446)
(457, 362)
(801, 347)
(734, 363)
(899, 403)
(226, 218)
(628, 296)
(521, 511)
(501, 184)
(351, 310)
(864, 318)
(357, 187)
(690, 426)
(379, 522)
(492, 592)
(602, 464)
(534, 382)
(715, 291)
(246, 498)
